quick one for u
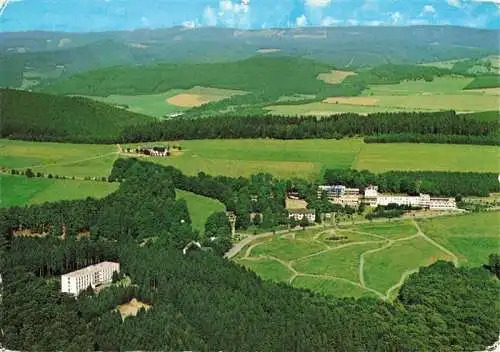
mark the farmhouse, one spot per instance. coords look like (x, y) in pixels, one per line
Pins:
(154, 151)
(93, 275)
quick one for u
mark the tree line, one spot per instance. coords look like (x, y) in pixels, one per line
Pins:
(303, 127)
(432, 138)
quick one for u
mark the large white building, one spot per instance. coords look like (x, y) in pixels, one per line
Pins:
(374, 199)
(299, 214)
(93, 275)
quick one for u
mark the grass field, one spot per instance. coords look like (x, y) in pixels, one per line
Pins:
(281, 158)
(20, 190)
(471, 237)
(58, 158)
(376, 258)
(200, 208)
(444, 93)
(445, 157)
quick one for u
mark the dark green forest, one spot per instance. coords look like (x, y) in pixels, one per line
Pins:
(201, 301)
(44, 117)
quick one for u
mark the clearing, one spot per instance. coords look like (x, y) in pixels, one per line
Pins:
(371, 259)
(198, 96)
(200, 208)
(132, 308)
(335, 77)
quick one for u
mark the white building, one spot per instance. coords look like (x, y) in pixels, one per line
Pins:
(442, 204)
(299, 214)
(93, 275)
(421, 201)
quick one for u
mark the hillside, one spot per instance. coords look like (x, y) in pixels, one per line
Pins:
(43, 54)
(36, 116)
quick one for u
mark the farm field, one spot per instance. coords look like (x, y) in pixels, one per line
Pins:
(471, 237)
(20, 190)
(376, 258)
(243, 157)
(444, 93)
(200, 208)
(63, 159)
(174, 100)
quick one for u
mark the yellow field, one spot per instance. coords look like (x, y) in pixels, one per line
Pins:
(198, 96)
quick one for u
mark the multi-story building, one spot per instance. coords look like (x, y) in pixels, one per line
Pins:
(299, 214)
(93, 275)
(442, 204)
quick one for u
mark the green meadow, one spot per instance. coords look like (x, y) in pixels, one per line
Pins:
(243, 157)
(200, 208)
(20, 190)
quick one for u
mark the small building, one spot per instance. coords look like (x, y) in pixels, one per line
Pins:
(154, 151)
(299, 214)
(352, 201)
(93, 275)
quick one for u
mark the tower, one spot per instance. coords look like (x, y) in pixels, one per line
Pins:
(232, 222)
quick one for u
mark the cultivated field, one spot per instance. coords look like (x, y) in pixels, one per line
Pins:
(444, 93)
(175, 100)
(200, 208)
(198, 96)
(371, 259)
(335, 77)
(63, 159)
(243, 157)
(20, 190)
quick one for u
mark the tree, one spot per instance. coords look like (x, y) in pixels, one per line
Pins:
(115, 278)
(29, 173)
(494, 264)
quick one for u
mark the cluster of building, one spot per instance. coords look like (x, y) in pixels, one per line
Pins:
(342, 195)
(93, 275)
(153, 151)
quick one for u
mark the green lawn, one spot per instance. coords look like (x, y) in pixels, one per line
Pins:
(384, 269)
(440, 85)
(432, 157)
(471, 237)
(200, 208)
(61, 159)
(351, 237)
(268, 269)
(393, 230)
(20, 190)
(342, 262)
(337, 288)
(286, 249)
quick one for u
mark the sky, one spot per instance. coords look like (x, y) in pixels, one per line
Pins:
(104, 15)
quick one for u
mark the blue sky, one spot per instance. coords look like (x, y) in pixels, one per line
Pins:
(100, 15)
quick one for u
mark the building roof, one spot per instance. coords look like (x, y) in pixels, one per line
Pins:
(90, 269)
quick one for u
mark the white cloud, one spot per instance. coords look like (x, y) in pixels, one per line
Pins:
(233, 14)
(418, 21)
(301, 21)
(495, 2)
(373, 23)
(329, 21)
(429, 9)
(209, 17)
(352, 22)
(455, 3)
(318, 3)
(145, 21)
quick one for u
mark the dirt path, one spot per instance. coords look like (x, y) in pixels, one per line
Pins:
(430, 240)
(400, 282)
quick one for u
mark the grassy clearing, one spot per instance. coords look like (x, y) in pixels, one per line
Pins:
(471, 237)
(19, 190)
(440, 85)
(307, 234)
(392, 230)
(337, 288)
(342, 262)
(61, 159)
(445, 157)
(198, 96)
(286, 249)
(384, 269)
(335, 77)
(268, 269)
(200, 208)
(351, 238)
(150, 104)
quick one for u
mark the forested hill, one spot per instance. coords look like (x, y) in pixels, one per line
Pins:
(264, 77)
(40, 53)
(36, 116)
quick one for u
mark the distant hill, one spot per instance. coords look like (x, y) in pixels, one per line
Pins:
(36, 116)
(48, 55)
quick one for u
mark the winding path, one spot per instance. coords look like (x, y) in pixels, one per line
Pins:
(430, 240)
